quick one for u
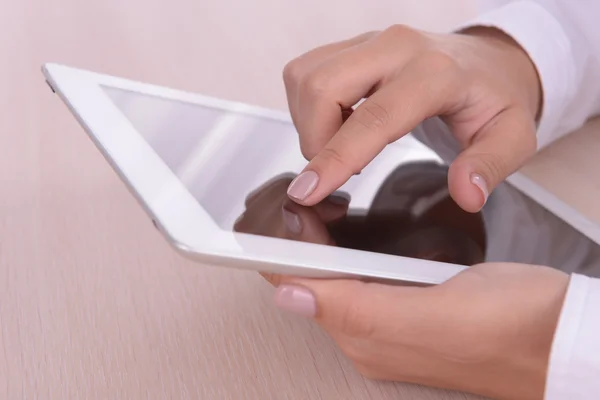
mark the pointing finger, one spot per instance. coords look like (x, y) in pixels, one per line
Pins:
(425, 88)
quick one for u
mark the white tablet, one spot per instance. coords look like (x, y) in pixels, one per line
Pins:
(212, 175)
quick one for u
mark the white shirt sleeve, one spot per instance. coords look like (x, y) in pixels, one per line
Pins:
(563, 40)
(574, 371)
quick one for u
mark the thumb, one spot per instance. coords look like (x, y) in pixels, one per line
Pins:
(350, 307)
(496, 152)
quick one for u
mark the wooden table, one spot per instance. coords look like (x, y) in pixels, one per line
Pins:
(93, 303)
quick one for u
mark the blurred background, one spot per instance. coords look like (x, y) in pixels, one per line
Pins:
(93, 302)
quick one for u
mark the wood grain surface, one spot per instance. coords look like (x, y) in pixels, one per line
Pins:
(93, 303)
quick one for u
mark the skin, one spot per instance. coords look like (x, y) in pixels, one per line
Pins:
(270, 212)
(482, 85)
(488, 330)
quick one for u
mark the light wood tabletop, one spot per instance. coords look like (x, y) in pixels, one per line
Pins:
(93, 302)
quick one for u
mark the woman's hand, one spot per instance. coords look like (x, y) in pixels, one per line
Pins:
(270, 212)
(486, 331)
(480, 83)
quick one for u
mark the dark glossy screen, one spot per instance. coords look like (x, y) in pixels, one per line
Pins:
(238, 166)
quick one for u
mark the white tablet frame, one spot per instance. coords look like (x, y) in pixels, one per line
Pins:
(182, 220)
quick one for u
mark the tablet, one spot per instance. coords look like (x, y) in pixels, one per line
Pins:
(212, 175)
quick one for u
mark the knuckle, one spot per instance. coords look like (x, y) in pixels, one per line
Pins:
(292, 73)
(372, 115)
(331, 155)
(493, 167)
(398, 30)
(315, 84)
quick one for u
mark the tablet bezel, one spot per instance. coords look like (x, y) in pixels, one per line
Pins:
(181, 218)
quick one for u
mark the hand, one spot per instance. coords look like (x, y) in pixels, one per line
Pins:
(481, 83)
(487, 331)
(269, 212)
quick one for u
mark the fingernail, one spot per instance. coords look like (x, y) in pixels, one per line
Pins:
(303, 185)
(291, 220)
(478, 181)
(296, 300)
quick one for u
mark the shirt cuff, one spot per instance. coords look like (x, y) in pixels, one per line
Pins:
(541, 36)
(575, 357)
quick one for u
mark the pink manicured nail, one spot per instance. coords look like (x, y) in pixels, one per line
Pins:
(296, 300)
(303, 185)
(478, 181)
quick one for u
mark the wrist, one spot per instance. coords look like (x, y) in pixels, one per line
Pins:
(525, 363)
(515, 63)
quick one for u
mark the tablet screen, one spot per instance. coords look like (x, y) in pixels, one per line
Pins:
(238, 166)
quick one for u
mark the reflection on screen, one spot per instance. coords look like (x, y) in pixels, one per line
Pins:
(238, 167)
(397, 222)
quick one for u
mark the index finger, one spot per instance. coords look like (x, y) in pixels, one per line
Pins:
(420, 92)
